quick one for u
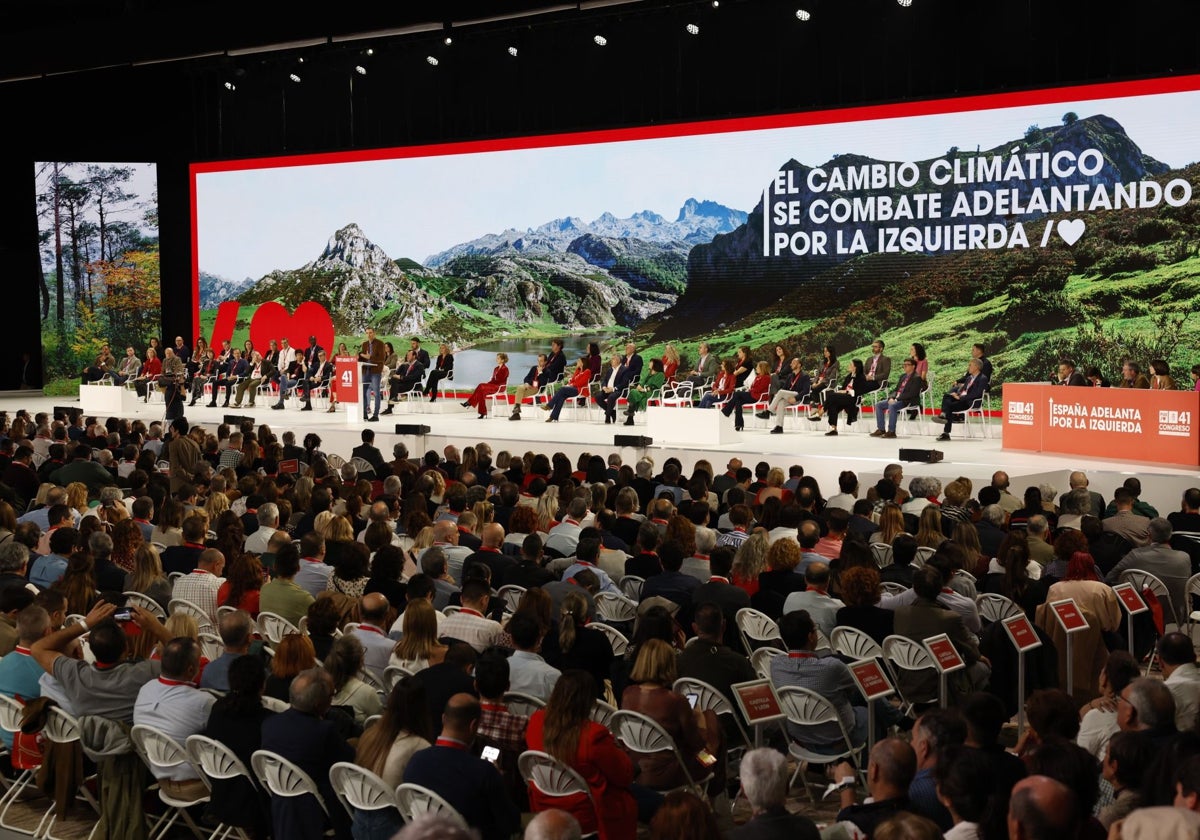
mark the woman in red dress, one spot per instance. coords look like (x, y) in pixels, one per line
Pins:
(670, 360)
(483, 390)
(564, 729)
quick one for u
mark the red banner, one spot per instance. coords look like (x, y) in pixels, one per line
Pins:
(346, 384)
(1154, 426)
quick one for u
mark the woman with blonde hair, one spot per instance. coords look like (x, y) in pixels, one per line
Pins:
(891, 524)
(750, 562)
(547, 509)
(344, 662)
(215, 505)
(774, 489)
(321, 522)
(654, 673)
(485, 514)
(147, 576)
(419, 647)
(929, 532)
(77, 497)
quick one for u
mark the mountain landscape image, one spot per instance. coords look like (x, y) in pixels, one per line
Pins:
(1125, 287)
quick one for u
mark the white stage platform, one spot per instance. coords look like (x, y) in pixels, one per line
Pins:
(821, 456)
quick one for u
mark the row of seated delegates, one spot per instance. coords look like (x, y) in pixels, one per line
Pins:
(405, 377)
(548, 368)
(1131, 376)
(668, 555)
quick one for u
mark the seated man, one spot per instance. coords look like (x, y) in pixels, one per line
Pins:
(471, 785)
(1132, 376)
(795, 386)
(963, 396)
(201, 585)
(316, 376)
(304, 736)
(878, 368)
(110, 687)
(469, 623)
(1067, 375)
(174, 707)
(535, 380)
(237, 633)
(907, 393)
(19, 671)
(404, 379)
(230, 377)
(890, 771)
(764, 775)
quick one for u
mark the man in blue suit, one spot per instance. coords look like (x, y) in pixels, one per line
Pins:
(962, 396)
(471, 785)
(632, 363)
(238, 368)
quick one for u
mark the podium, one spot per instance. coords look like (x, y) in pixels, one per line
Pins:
(695, 426)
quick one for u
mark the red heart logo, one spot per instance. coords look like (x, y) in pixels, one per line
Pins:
(272, 321)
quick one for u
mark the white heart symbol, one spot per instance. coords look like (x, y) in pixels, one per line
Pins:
(1070, 230)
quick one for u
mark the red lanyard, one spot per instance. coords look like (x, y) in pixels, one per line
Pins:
(451, 743)
(795, 654)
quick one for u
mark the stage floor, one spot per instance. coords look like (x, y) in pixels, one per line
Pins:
(824, 457)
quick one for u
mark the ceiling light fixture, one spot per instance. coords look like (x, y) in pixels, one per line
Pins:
(360, 70)
(600, 40)
(512, 51)
(447, 40)
(433, 62)
(230, 86)
(803, 14)
(905, 3)
(294, 77)
(692, 29)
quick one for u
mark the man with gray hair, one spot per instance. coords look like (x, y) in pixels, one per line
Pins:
(109, 576)
(1042, 808)
(764, 776)
(1147, 705)
(1172, 567)
(564, 536)
(1078, 480)
(1073, 506)
(1038, 530)
(14, 557)
(305, 737)
(268, 523)
(237, 632)
(923, 488)
(554, 824)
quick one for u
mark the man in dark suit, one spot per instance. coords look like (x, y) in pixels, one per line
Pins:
(926, 617)
(556, 362)
(632, 364)
(304, 737)
(370, 453)
(671, 583)
(962, 396)
(182, 558)
(878, 368)
(407, 377)
(794, 387)
(471, 785)
(1067, 375)
(316, 375)
(419, 352)
(450, 677)
(238, 367)
(534, 381)
(612, 382)
(908, 392)
(718, 590)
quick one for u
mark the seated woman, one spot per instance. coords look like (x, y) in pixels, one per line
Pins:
(697, 734)
(151, 371)
(722, 386)
(826, 378)
(754, 392)
(1013, 574)
(578, 386)
(386, 747)
(640, 393)
(293, 654)
(236, 721)
(565, 730)
(860, 592)
(780, 580)
(419, 647)
(498, 383)
(670, 362)
(845, 398)
(1160, 376)
(243, 584)
(344, 663)
(324, 619)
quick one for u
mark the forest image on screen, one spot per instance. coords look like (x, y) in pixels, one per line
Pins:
(1047, 224)
(99, 280)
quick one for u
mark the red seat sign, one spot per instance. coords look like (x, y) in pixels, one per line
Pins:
(1021, 632)
(944, 654)
(871, 680)
(1069, 616)
(758, 701)
(1130, 599)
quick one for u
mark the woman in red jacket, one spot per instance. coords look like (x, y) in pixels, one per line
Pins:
(578, 386)
(754, 392)
(565, 730)
(483, 390)
(722, 387)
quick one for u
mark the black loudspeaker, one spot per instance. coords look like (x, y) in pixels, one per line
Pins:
(926, 456)
(411, 429)
(236, 420)
(631, 440)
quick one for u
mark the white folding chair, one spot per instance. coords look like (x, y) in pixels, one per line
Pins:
(555, 779)
(281, 778)
(1191, 590)
(922, 556)
(182, 605)
(224, 611)
(392, 675)
(757, 629)
(61, 728)
(274, 704)
(512, 596)
(523, 704)
(881, 552)
(891, 587)
(903, 654)
(855, 644)
(645, 736)
(806, 708)
(708, 698)
(631, 587)
(216, 761)
(611, 607)
(995, 607)
(161, 752)
(137, 599)
(1145, 580)
(615, 637)
(602, 713)
(274, 627)
(359, 788)
(10, 721)
(761, 660)
(415, 801)
(211, 646)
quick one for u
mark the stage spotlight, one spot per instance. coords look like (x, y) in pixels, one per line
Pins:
(433, 62)
(448, 40)
(294, 77)
(370, 52)
(716, 4)
(360, 70)
(230, 86)
(512, 51)
(904, 3)
(803, 14)
(692, 29)
(600, 40)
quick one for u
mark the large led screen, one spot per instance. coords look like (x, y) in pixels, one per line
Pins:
(1045, 224)
(99, 279)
